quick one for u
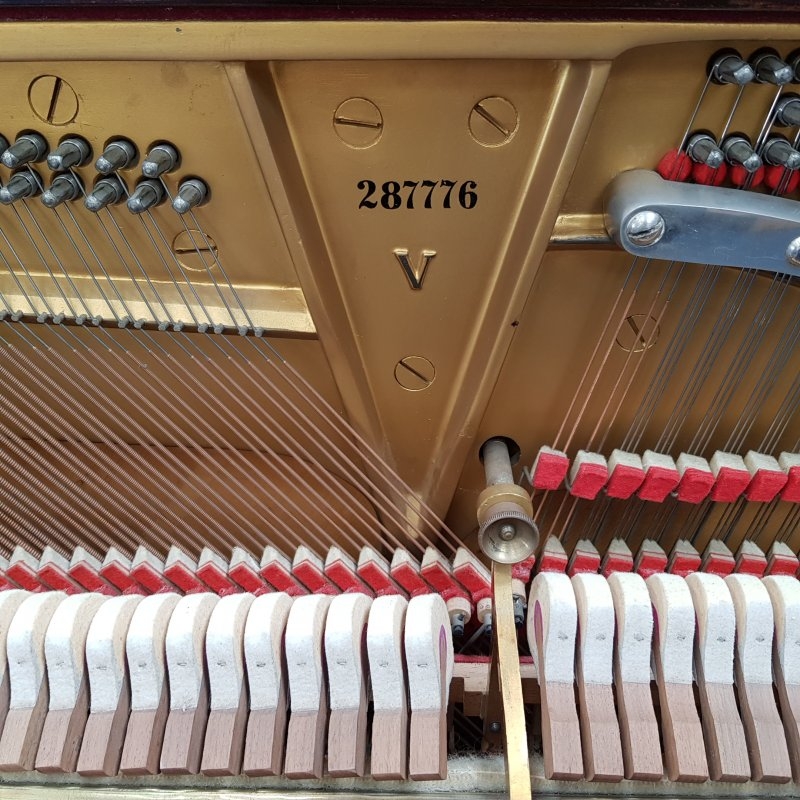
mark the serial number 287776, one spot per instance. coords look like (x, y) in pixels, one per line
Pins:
(394, 194)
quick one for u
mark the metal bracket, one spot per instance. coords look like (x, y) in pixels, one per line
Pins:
(654, 218)
(507, 717)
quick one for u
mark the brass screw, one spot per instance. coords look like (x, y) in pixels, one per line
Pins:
(195, 251)
(493, 121)
(358, 122)
(53, 100)
(414, 373)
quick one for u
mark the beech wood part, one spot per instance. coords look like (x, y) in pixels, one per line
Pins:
(641, 746)
(224, 740)
(144, 738)
(600, 733)
(766, 740)
(429, 667)
(267, 683)
(183, 738)
(552, 626)
(103, 739)
(684, 747)
(784, 592)
(726, 746)
(389, 738)
(62, 734)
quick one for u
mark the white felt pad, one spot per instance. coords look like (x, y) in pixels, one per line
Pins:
(674, 623)
(595, 627)
(622, 458)
(344, 649)
(651, 459)
(304, 631)
(721, 460)
(263, 648)
(553, 595)
(10, 602)
(65, 648)
(185, 646)
(634, 614)
(105, 651)
(385, 651)
(688, 461)
(429, 652)
(784, 592)
(225, 650)
(754, 627)
(716, 626)
(144, 649)
(25, 646)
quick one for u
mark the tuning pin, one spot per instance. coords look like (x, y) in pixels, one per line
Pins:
(771, 69)
(145, 196)
(118, 154)
(64, 188)
(106, 192)
(730, 67)
(72, 152)
(703, 149)
(738, 150)
(162, 158)
(191, 193)
(787, 112)
(779, 153)
(28, 147)
(22, 184)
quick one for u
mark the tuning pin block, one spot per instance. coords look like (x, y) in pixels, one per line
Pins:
(72, 152)
(191, 193)
(118, 154)
(161, 158)
(29, 148)
(22, 184)
(64, 188)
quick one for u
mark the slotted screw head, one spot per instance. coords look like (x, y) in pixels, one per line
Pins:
(358, 122)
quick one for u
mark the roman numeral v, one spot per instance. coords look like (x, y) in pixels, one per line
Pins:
(414, 273)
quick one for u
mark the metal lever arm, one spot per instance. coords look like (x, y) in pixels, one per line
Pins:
(654, 218)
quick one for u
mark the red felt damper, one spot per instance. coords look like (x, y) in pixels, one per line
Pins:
(709, 176)
(151, 579)
(718, 559)
(248, 578)
(624, 481)
(549, 469)
(554, 557)
(675, 166)
(695, 485)
(684, 560)
(313, 577)
(5, 581)
(407, 575)
(521, 571)
(750, 560)
(616, 561)
(765, 485)
(277, 573)
(585, 559)
(791, 492)
(58, 579)
(216, 579)
(183, 577)
(658, 483)
(437, 575)
(89, 577)
(589, 480)
(378, 580)
(781, 180)
(117, 571)
(473, 581)
(346, 578)
(650, 559)
(740, 177)
(781, 560)
(730, 485)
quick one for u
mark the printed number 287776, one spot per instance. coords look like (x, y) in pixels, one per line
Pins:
(419, 194)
